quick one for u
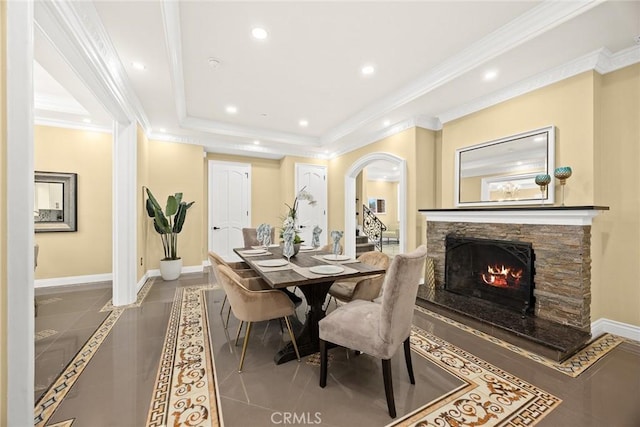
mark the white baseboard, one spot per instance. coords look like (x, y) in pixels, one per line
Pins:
(188, 269)
(72, 280)
(625, 330)
(142, 281)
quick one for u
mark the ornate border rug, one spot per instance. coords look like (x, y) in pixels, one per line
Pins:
(49, 402)
(573, 366)
(185, 393)
(144, 290)
(491, 396)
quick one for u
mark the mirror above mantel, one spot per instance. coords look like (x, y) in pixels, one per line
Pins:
(502, 172)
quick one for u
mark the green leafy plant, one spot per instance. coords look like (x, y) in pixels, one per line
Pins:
(168, 223)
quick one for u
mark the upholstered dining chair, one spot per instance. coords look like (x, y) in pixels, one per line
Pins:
(250, 236)
(367, 288)
(255, 306)
(378, 329)
(247, 276)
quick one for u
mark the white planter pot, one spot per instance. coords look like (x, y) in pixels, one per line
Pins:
(170, 269)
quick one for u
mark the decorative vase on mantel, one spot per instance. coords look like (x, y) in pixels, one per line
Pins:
(562, 173)
(543, 181)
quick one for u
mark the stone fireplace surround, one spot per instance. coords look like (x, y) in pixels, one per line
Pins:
(561, 239)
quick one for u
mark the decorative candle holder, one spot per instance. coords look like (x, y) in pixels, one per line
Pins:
(542, 180)
(562, 173)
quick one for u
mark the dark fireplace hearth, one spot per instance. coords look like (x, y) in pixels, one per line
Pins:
(498, 271)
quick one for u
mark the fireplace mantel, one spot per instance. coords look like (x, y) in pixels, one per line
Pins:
(543, 215)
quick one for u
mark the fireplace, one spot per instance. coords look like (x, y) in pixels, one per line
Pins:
(500, 271)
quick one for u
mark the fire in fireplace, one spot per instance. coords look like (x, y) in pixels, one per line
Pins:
(500, 271)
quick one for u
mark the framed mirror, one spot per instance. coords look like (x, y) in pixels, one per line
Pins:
(54, 206)
(502, 172)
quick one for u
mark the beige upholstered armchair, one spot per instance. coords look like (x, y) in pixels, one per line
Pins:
(246, 276)
(255, 306)
(367, 288)
(378, 329)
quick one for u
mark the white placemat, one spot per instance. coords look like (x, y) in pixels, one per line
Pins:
(327, 261)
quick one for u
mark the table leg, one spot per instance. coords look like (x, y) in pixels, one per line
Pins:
(307, 339)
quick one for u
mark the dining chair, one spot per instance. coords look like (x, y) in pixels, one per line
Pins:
(378, 329)
(365, 288)
(250, 236)
(247, 276)
(255, 306)
(329, 248)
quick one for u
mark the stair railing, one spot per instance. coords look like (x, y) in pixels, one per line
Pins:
(372, 227)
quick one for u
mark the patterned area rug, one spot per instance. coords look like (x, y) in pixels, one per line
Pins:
(185, 391)
(490, 397)
(573, 366)
(184, 394)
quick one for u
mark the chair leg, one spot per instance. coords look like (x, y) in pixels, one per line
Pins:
(407, 358)
(238, 333)
(293, 338)
(323, 363)
(226, 325)
(244, 346)
(388, 387)
(224, 301)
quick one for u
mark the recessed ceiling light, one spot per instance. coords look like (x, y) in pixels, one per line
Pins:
(256, 142)
(86, 120)
(231, 109)
(214, 63)
(304, 123)
(490, 75)
(259, 33)
(386, 123)
(138, 66)
(163, 130)
(367, 70)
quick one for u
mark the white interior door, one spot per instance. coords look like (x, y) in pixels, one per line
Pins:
(314, 178)
(229, 206)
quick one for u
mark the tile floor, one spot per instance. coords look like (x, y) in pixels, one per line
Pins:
(115, 388)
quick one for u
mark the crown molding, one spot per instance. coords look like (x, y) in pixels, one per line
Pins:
(226, 129)
(59, 104)
(76, 30)
(173, 40)
(608, 62)
(601, 60)
(538, 20)
(58, 123)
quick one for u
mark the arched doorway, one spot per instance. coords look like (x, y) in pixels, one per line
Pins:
(350, 196)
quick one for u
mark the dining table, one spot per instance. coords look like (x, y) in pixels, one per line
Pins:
(313, 272)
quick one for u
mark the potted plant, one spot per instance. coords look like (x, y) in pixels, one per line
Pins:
(168, 224)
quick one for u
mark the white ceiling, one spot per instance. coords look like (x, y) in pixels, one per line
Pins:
(429, 58)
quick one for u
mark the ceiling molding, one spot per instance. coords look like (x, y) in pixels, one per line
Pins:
(226, 129)
(43, 101)
(608, 62)
(538, 20)
(584, 63)
(76, 30)
(173, 39)
(46, 121)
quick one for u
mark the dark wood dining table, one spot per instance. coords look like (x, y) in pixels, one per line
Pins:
(314, 289)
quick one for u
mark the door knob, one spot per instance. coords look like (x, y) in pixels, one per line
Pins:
(216, 228)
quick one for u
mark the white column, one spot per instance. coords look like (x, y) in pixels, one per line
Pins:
(124, 213)
(19, 188)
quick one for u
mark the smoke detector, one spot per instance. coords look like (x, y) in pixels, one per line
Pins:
(214, 63)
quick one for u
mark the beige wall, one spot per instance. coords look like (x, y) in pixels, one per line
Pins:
(567, 104)
(387, 191)
(3, 222)
(417, 147)
(597, 134)
(177, 168)
(616, 233)
(142, 221)
(88, 250)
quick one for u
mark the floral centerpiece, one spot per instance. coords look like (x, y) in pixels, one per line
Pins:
(291, 219)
